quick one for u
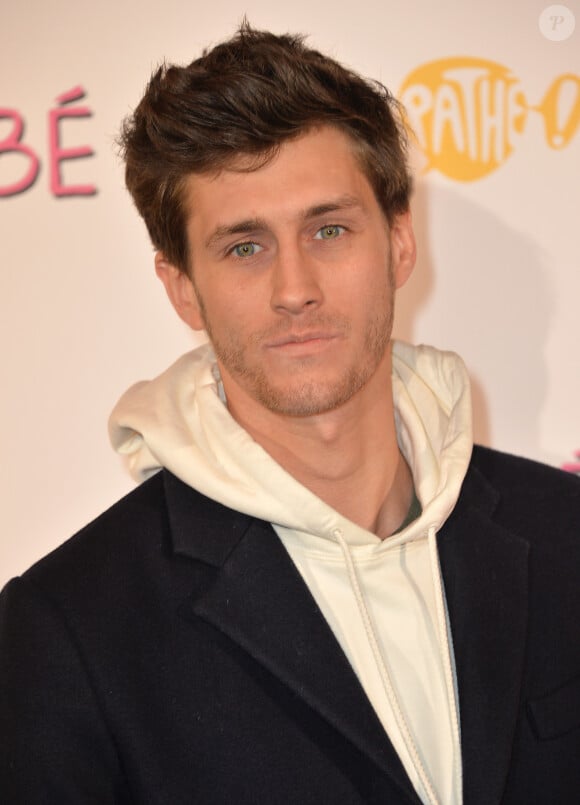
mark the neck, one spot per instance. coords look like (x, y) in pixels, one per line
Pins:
(349, 457)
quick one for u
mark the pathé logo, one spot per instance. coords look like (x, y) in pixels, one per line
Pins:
(467, 114)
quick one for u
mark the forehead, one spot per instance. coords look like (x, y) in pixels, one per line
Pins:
(313, 169)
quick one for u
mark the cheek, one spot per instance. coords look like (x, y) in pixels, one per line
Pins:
(216, 297)
(229, 315)
(369, 277)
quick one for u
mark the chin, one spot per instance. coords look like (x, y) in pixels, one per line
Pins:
(308, 399)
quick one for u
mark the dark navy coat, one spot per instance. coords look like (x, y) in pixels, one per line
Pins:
(171, 654)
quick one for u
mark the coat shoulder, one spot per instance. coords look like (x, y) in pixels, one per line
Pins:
(135, 519)
(532, 499)
(130, 541)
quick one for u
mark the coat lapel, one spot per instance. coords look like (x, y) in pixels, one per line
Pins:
(485, 574)
(260, 602)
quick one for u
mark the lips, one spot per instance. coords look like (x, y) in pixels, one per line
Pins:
(301, 338)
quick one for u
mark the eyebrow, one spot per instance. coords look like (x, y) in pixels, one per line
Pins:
(346, 202)
(254, 225)
(239, 228)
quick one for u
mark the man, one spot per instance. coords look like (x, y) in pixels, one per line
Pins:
(324, 596)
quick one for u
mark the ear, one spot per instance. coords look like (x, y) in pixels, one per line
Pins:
(403, 248)
(180, 291)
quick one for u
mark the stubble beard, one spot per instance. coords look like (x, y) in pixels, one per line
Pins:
(310, 397)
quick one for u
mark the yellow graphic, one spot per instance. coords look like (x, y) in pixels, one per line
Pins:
(468, 113)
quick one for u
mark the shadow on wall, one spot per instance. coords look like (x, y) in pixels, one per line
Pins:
(480, 288)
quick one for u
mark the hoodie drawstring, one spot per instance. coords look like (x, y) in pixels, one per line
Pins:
(445, 649)
(386, 680)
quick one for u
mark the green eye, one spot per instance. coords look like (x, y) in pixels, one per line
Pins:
(248, 249)
(329, 232)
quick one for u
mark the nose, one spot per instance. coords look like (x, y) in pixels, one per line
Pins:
(295, 282)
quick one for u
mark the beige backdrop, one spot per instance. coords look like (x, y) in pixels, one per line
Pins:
(496, 105)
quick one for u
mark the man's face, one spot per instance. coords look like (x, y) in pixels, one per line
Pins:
(294, 268)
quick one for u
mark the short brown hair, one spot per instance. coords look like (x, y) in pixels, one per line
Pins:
(245, 97)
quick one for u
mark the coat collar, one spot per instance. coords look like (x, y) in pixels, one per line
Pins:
(259, 601)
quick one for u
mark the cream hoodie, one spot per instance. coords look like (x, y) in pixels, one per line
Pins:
(383, 599)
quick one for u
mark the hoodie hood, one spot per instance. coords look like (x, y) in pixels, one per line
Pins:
(179, 421)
